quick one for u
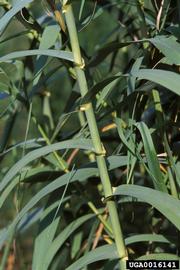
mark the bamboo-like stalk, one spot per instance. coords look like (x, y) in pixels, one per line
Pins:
(100, 151)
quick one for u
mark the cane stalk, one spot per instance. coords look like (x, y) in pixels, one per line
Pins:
(100, 151)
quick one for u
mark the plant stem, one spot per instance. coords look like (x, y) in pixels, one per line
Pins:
(100, 151)
(59, 159)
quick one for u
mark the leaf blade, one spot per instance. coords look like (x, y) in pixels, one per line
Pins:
(168, 79)
(13, 11)
(166, 204)
(76, 143)
(53, 53)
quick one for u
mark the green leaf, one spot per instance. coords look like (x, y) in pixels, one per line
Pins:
(47, 229)
(5, 83)
(45, 43)
(7, 130)
(163, 202)
(32, 143)
(169, 47)
(168, 79)
(13, 11)
(76, 244)
(101, 253)
(50, 31)
(61, 238)
(53, 53)
(106, 90)
(159, 256)
(81, 8)
(13, 36)
(94, 15)
(76, 143)
(146, 238)
(112, 162)
(29, 219)
(132, 79)
(103, 52)
(111, 264)
(3, 236)
(75, 175)
(98, 87)
(151, 157)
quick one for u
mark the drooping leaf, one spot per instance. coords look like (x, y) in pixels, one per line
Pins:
(13, 36)
(159, 256)
(76, 143)
(32, 143)
(146, 238)
(61, 238)
(47, 228)
(101, 253)
(168, 79)
(13, 11)
(163, 202)
(53, 53)
(30, 218)
(75, 175)
(103, 52)
(45, 43)
(169, 47)
(112, 163)
(98, 87)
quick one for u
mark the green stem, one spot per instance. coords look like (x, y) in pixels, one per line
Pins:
(103, 221)
(100, 152)
(59, 159)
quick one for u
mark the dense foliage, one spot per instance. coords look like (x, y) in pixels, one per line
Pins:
(53, 211)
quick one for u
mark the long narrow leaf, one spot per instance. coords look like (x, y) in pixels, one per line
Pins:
(169, 47)
(168, 79)
(61, 238)
(98, 254)
(113, 162)
(146, 238)
(53, 53)
(76, 143)
(151, 157)
(164, 203)
(13, 11)
(47, 229)
(159, 256)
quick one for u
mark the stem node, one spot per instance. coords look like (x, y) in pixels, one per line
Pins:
(65, 8)
(94, 132)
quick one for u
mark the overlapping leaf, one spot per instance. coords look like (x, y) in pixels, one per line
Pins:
(164, 203)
